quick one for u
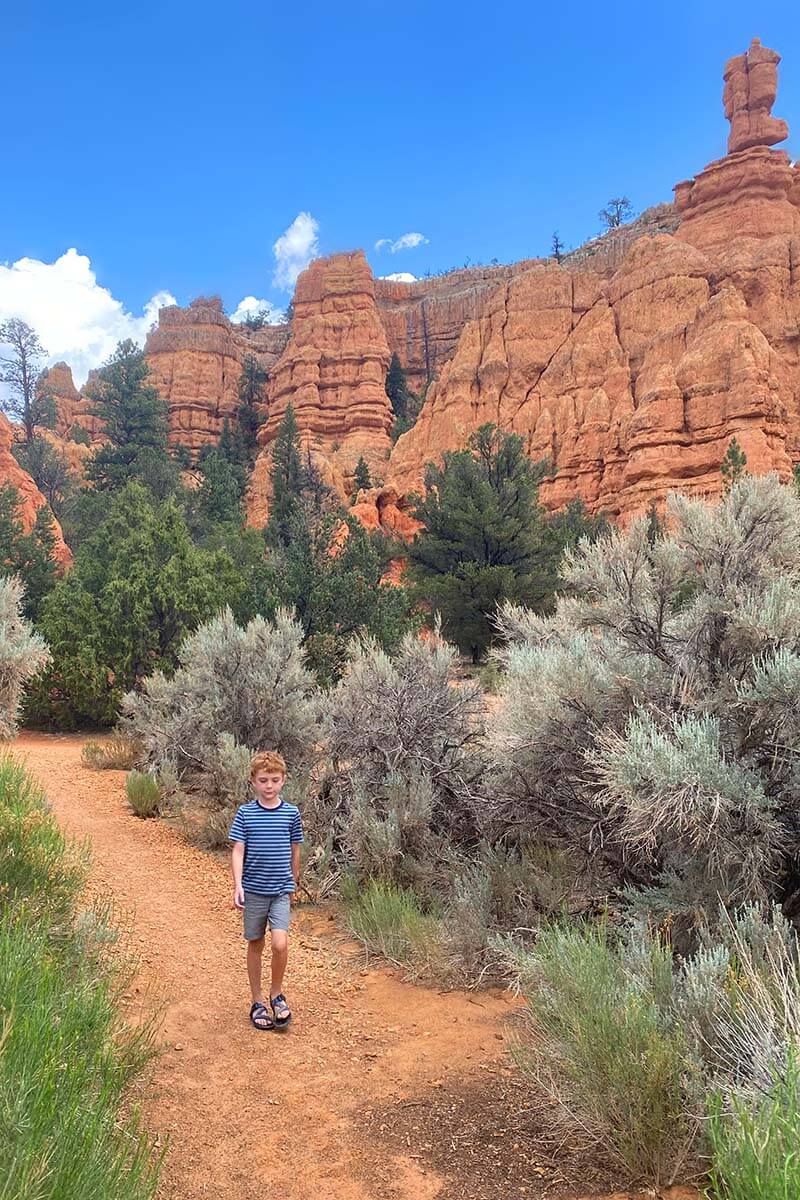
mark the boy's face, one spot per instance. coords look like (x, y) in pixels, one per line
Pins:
(267, 785)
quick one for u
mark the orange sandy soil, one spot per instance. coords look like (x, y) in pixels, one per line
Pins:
(379, 1091)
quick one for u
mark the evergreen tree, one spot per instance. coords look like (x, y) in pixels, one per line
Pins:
(361, 477)
(285, 511)
(137, 588)
(219, 497)
(136, 424)
(655, 530)
(485, 539)
(26, 400)
(29, 555)
(397, 389)
(48, 469)
(251, 395)
(734, 465)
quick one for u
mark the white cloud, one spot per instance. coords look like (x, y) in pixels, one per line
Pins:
(407, 241)
(294, 250)
(251, 306)
(400, 277)
(76, 319)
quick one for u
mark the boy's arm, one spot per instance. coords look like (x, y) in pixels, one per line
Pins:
(295, 866)
(237, 866)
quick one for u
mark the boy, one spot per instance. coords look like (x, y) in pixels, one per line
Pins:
(265, 864)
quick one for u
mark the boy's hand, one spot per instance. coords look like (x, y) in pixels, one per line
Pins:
(238, 897)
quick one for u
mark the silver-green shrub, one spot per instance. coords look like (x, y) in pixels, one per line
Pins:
(405, 745)
(23, 654)
(653, 721)
(235, 690)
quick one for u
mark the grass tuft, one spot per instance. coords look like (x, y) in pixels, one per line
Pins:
(144, 794)
(389, 921)
(116, 754)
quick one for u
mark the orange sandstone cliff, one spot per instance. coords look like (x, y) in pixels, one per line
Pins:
(633, 383)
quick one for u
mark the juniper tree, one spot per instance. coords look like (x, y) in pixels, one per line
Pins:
(27, 555)
(137, 587)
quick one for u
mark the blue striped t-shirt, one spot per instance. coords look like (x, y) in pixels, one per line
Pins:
(267, 834)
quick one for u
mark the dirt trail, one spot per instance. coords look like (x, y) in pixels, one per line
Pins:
(380, 1090)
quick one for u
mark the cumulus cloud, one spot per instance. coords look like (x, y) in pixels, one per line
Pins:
(250, 306)
(294, 250)
(407, 241)
(400, 277)
(76, 319)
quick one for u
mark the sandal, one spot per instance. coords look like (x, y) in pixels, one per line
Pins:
(281, 1011)
(260, 1018)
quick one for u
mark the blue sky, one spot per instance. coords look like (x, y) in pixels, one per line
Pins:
(173, 144)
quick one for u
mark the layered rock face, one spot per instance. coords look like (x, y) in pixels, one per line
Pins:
(633, 385)
(72, 407)
(423, 320)
(195, 359)
(332, 372)
(30, 498)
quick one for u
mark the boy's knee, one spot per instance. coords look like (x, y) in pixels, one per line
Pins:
(256, 944)
(280, 940)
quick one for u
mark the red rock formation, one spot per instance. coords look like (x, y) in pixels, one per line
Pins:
(30, 498)
(751, 84)
(332, 372)
(634, 385)
(195, 356)
(72, 407)
(423, 320)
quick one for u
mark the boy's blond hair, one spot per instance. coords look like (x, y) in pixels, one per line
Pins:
(267, 760)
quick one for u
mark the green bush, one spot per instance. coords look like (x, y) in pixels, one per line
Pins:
(67, 1058)
(389, 921)
(144, 794)
(755, 1148)
(599, 1038)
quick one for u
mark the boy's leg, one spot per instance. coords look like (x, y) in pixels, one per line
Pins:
(255, 949)
(280, 955)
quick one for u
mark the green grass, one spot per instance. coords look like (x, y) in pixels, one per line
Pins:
(144, 794)
(66, 1058)
(389, 921)
(756, 1149)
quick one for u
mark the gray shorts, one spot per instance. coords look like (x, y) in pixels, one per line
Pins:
(262, 911)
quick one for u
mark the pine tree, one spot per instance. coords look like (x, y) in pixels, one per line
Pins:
(136, 424)
(361, 476)
(27, 399)
(251, 395)
(397, 388)
(287, 483)
(734, 465)
(485, 538)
